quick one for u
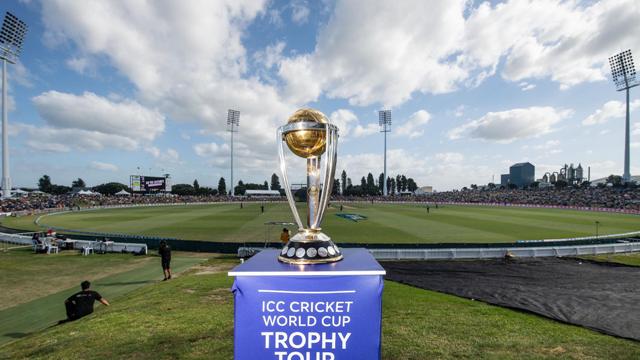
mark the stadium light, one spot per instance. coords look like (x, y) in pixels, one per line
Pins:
(384, 120)
(623, 73)
(11, 38)
(233, 122)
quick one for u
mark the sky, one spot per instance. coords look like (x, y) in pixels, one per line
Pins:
(107, 89)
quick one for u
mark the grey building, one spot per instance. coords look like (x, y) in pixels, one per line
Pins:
(504, 180)
(522, 174)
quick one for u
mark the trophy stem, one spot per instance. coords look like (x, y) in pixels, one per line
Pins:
(313, 191)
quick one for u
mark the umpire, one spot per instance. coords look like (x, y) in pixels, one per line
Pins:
(165, 255)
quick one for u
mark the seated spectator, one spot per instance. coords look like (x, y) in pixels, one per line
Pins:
(80, 304)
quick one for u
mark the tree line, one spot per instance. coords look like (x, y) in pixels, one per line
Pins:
(344, 186)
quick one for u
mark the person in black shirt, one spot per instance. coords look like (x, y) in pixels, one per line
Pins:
(81, 303)
(165, 255)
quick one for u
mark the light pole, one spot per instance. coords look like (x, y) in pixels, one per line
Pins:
(233, 122)
(384, 120)
(623, 73)
(11, 37)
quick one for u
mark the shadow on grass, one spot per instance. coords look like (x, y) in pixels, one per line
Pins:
(16, 335)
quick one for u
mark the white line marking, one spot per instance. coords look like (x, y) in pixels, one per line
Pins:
(308, 292)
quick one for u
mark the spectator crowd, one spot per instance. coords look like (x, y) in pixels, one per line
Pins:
(611, 198)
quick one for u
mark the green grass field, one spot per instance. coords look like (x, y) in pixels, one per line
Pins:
(191, 317)
(385, 223)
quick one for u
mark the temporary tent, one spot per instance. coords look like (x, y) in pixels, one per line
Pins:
(88, 193)
(123, 192)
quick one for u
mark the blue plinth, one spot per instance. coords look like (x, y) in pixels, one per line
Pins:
(308, 312)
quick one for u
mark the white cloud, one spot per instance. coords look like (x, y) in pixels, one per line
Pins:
(299, 12)
(170, 156)
(368, 129)
(610, 110)
(344, 119)
(81, 65)
(103, 166)
(91, 112)
(449, 157)
(199, 45)
(45, 138)
(414, 127)
(510, 125)
(271, 55)
(525, 86)
(383, 52)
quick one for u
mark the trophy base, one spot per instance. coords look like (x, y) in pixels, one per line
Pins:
(301, 250)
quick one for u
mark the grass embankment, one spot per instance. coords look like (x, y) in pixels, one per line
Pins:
(191, 317)
(385, 224)
(34, 287)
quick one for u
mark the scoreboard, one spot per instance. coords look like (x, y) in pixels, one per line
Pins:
(140, 183)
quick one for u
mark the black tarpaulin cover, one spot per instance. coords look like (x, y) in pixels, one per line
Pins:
(600, 296)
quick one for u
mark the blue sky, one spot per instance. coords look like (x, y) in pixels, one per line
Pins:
(105, 88)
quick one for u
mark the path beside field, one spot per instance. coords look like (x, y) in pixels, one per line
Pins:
(21, 320)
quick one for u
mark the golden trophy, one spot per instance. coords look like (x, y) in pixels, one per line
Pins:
(309, 134)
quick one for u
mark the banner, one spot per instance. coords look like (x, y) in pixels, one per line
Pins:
(307, 317)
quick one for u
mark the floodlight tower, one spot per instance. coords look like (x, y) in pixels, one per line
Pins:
(11, 37)
(233, 122)
(623, 73)
(384, 120)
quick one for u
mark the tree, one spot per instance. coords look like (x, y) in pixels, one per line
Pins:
(222, 187)
(393, 186)
(398, 183)
(403, 180)
(78, 183)
(336, 187)
(411, 185)
(44, 184)
(615, 180)
(371, 185)
(265, 185)
(343, 177)
(240, 188)
(389, 185)
(363, 183)
(183, 189)
(381, 183)
(560, 184)
(275, 182)
(110, 188)
(196, 186)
